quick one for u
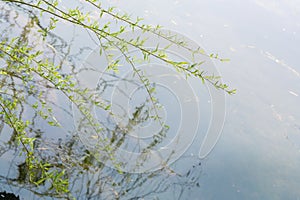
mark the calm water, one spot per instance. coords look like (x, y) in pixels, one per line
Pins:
(258, 154)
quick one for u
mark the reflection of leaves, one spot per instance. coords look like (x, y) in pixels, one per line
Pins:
(22, 168)
(140, 115)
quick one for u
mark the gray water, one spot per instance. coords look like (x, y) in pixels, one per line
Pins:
(257, 156)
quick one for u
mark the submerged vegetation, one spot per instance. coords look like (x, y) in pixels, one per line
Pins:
(37, 69)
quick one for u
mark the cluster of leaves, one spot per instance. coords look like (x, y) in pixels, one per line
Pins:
(21, 77)
(27, 75)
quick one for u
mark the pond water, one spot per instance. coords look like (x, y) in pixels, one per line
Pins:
(257, 156)
(258, 153)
